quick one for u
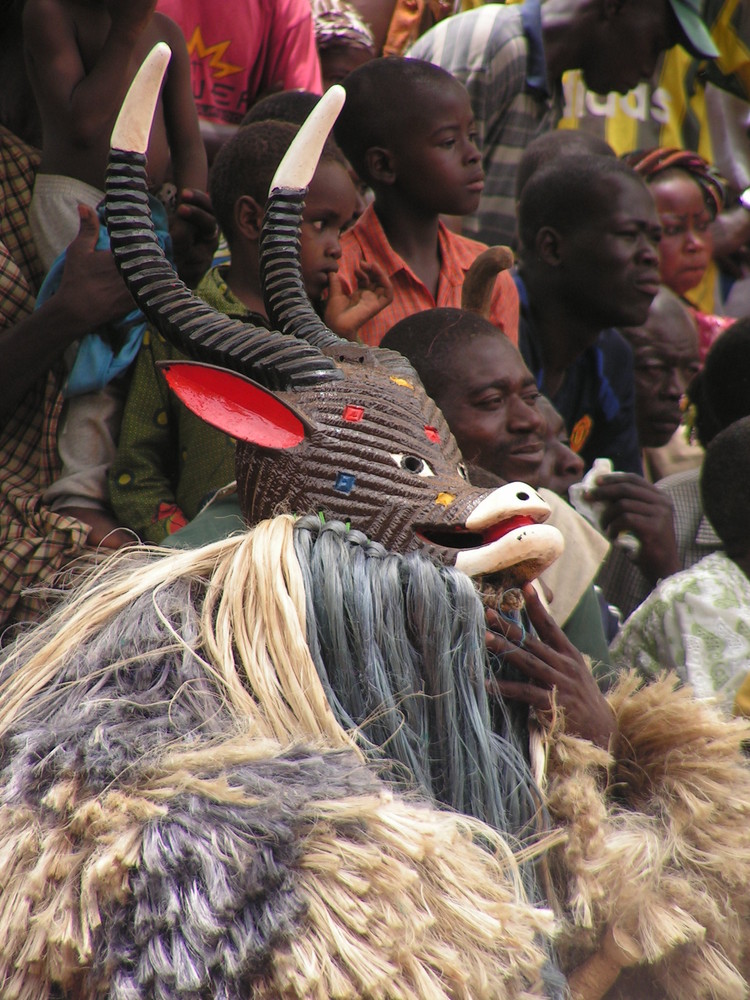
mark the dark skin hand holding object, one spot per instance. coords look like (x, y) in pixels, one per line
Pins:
(637, 507)
(559, 677)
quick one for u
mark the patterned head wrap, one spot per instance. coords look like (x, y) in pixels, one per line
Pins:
(651, 163)
(337, 22)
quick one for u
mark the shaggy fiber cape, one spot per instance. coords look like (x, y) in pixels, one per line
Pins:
(183, 816)
(187, 812)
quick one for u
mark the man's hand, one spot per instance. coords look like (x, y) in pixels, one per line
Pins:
(91, 290)
(195, 235)
(636, 506)
(555, 669)
(345, 314)
(91, 294)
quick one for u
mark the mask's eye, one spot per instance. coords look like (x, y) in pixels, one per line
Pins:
(463, 471)
(414, 464)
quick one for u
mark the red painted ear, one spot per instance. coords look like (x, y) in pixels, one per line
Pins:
(236, 405)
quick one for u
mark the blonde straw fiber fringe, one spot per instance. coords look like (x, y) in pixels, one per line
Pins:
(253, 630)
(669, 869)
(126, 837)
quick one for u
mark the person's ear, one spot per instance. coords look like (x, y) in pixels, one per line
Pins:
(381, 165)
(549, 246)
(248, 217)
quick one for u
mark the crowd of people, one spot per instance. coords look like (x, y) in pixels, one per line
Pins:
(600, 351)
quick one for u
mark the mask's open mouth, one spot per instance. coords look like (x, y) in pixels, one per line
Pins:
(504, 533)
(460, 537)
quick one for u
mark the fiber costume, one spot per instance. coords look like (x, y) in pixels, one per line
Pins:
(169, 831)
(163, 705)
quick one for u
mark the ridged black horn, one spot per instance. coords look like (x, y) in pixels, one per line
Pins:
(276, 360)
(288, 305)
(281, 274)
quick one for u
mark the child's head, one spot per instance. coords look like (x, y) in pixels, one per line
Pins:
(725, 487)
(480, 382)
(291, 106)
(241, 176)
(295, 106)
(688, 198)
(329, 208)
(665, 358)
(408, 129)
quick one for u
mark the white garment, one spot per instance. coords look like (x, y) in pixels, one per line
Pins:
(87, 445)
(570, 576)
(53, 213)
(90, 424)
(696, 622)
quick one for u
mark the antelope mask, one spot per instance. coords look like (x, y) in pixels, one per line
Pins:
(322, 425)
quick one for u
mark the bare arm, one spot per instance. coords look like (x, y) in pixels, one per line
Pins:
(91, 293)
(81, 102)
(189, 163)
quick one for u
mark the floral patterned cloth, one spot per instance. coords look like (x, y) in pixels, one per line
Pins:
(696, 622)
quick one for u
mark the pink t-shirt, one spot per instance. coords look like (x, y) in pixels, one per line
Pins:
(239, 50)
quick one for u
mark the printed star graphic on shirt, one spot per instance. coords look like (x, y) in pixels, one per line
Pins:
(197, 47)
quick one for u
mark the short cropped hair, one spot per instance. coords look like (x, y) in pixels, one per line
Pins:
(288, 106)
(566, 192)
(719, 394)
(725, 486)
(383, 99)
(246, 164)
(551, 145)
(429, 338)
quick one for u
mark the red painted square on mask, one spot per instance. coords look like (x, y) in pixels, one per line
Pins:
(353, 414)
(432, 433)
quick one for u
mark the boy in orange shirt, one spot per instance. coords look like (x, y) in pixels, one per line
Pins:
(408, 130)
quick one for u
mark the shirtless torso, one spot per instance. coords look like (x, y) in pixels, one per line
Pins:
(81, 57)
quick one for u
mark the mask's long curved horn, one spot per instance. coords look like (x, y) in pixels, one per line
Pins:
(281, 275)
(271, 358)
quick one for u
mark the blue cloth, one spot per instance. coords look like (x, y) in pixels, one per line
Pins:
(536, 71)
(107, 352)
(597, 397)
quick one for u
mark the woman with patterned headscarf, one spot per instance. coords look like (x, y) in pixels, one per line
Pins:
(343, 38)
(689, 195)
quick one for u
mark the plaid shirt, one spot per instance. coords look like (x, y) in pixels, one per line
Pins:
(34, 543)
(20, 270)
(496, 52)
(366, 240)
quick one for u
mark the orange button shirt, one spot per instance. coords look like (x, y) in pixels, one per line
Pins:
(367, 241)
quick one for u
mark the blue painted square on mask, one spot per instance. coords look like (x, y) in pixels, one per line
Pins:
(344, 482)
